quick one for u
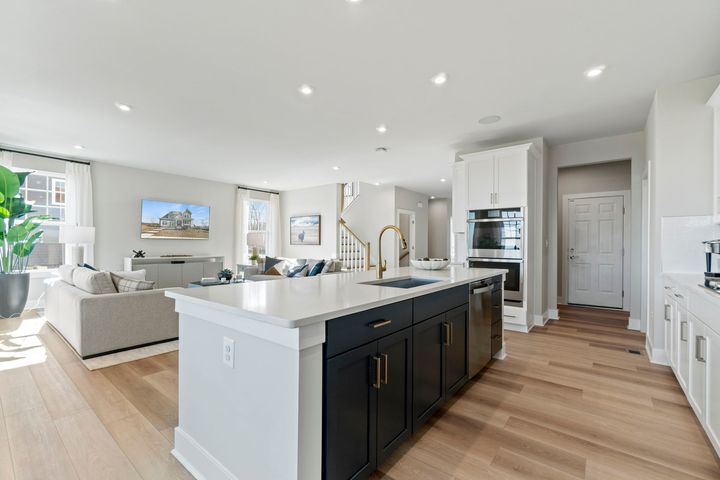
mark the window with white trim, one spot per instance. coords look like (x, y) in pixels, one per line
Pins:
(257, 224)
(46, 192)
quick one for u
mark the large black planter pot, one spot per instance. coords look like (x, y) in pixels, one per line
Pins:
(13, 293)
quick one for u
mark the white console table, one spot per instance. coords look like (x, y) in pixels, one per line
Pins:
(175, 271)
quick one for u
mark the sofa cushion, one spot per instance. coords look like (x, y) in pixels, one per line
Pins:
(132, 275)
(125, 284)
(66, 273)
(276, 269)
(93, 282)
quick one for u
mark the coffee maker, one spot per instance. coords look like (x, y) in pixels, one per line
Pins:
(712, 279)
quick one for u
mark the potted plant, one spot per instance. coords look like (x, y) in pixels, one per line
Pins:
(19, 233)
(254, 257)
(225, 275)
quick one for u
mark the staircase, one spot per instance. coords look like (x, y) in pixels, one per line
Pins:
(353, 252)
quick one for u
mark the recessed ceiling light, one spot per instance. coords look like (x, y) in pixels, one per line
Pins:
(595, 71)
(440, 79)
(382, 128)
(443, 179)
(265, 182)
(306, 89)
(382, 149)
(336, 168)
(490, 119)
(353, 1)
(123, 107)
(377, 184)
(432, 197)
(79, 147)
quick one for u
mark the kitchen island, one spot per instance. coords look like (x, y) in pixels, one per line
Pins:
(265, 369)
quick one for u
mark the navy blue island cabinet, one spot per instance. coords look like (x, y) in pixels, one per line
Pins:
(386, 371)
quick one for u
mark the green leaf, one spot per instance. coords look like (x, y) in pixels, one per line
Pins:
(2, 197)
(9, 183)
(4, 212)
(17, 233)
(22, 176)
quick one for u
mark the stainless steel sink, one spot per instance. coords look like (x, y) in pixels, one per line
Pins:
(402, 282)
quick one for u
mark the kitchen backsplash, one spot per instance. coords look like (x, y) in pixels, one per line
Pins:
(682, 248)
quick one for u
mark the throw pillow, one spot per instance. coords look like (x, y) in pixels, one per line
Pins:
(337, 266)
(66, 273)
(133, 275)
(328, 267)
(85, 265)
(274, 270)
(317, 268)
(93, 282)
(125, 285)
(271, 262)
(299, 271)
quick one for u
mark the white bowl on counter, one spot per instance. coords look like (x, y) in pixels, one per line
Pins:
(432, 264)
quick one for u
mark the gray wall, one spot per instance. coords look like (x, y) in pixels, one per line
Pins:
(408, 200)
(324, 201)
(603, 177)
(117, 192)
(439, 228)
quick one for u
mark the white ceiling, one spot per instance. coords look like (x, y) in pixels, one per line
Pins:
(214, 84)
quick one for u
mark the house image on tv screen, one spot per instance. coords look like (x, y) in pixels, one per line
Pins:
(177, 220)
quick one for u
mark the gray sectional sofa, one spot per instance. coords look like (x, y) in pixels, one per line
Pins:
(96, 324)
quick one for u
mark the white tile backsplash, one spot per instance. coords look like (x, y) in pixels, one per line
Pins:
(681, 248)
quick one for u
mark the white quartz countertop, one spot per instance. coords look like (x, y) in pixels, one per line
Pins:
(700, 301)
(296, 302)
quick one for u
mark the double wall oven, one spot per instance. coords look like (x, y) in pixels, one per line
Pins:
(495, 240)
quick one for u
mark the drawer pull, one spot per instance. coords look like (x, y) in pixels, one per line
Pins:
(377, 361)
(385, 375)
(667, 313)
(677, 295)
(446, 326)
(700, 348)
(683, 331)
(380, 323)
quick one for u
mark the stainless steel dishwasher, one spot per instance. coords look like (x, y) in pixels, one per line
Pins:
(480, 325)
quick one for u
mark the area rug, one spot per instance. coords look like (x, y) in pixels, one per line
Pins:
(130, 355)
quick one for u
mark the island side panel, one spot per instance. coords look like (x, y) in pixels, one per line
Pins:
(262, 418)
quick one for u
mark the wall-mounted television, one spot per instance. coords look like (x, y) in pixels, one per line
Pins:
(172, 220)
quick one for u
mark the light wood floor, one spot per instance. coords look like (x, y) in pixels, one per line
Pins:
(568, 402)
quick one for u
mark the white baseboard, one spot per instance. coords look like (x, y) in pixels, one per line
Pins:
(517, 327)
(553, 314)
(198, 461)
(656, 355)
(541, 320)
(634, 324)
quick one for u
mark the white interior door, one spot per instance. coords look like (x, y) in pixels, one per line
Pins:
(595, 251)
(406, 223)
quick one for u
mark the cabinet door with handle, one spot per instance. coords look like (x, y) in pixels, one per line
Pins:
(698, 371)
(394, 397)
(428, 368)
(511, 179)
(481, 182)
(712, 397)
(352, 380)
(456, 349)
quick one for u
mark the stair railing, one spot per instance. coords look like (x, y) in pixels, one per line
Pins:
(353, 252)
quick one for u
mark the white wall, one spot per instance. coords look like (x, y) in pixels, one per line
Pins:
(117, 193)
(439, 228)
(324, 201)
(370, 211)
(680, 149)
(600, 150)
(601, 177)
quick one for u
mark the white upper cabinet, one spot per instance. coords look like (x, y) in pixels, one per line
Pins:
(481, 182)
(511, 172)
(497, 178)
(459, 197)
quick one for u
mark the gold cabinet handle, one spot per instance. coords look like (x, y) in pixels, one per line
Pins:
(379, 323)
(452, 333)
(376, 385)
(446, 326)
(387, 362)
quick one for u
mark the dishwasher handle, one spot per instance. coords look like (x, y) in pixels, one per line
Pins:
(478, 291)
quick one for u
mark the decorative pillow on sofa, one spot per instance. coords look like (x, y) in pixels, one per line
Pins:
(66, 273)
(317, 268)
(328, 267)
(132, 275)
(93, 282)
(275, 270)
(125, 285)
(299, 271)
(271, 262)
